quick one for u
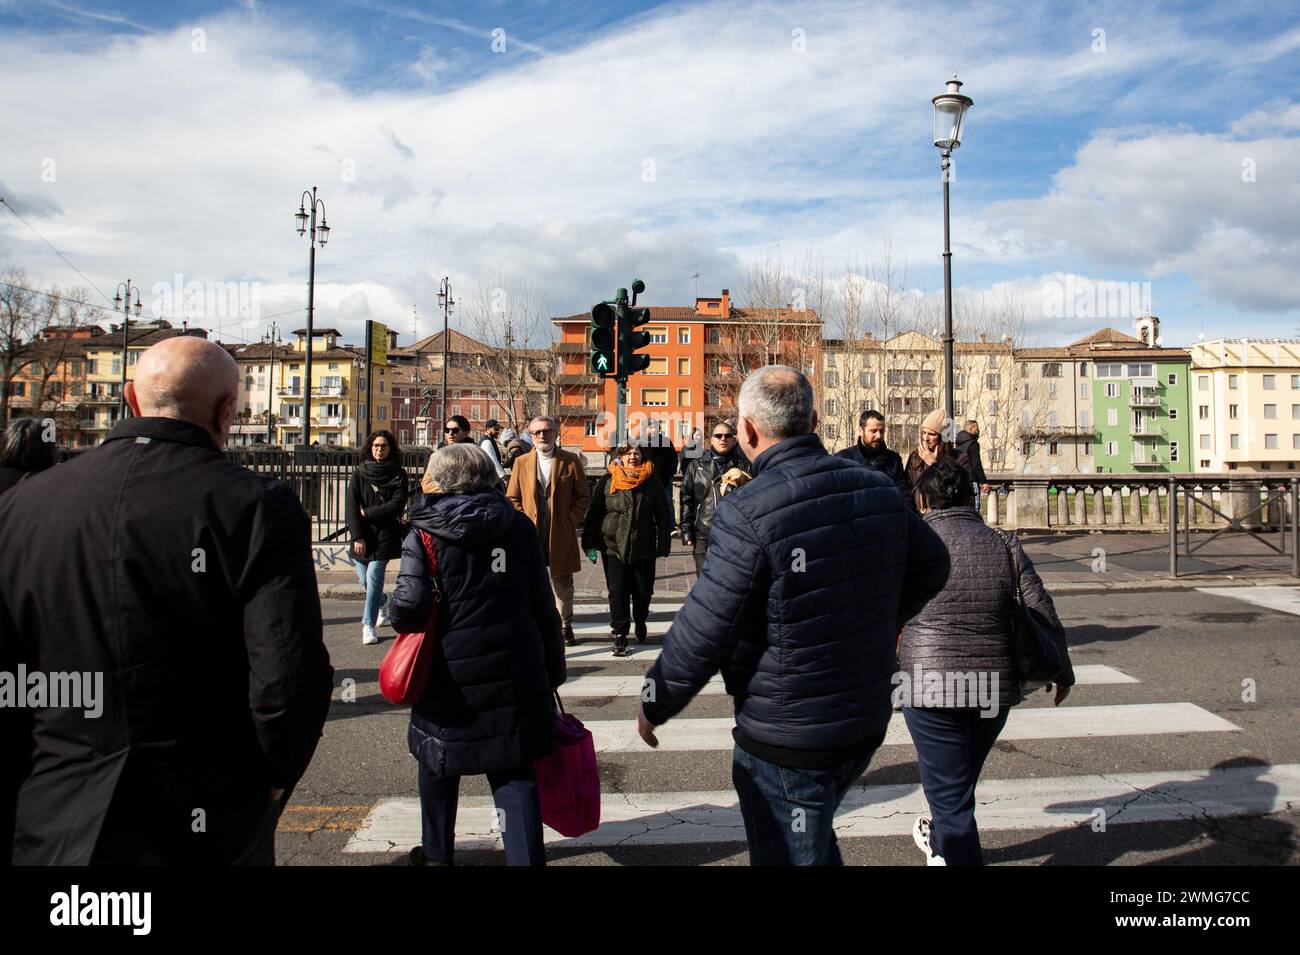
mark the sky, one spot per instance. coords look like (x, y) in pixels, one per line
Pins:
(569, 147)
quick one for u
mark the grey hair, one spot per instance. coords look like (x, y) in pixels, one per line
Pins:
(461, 469)
(778, 399)
(555, 425)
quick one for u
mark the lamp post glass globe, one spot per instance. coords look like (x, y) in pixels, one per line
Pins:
(301, 216)
(322, 233)
(950, 109)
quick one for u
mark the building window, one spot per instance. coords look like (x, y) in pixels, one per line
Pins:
(1083, 389)
(1052, 369)
(832, 379)
(1087, 448)
(684, 367)
(995, 455)
(1112, 417)
(959, 380)
(683, 397)
(1024, 392)
(1295, 381)
(1203, 412)
(683, 334)
(993, 381)
(117, 366)
(1202, 382)
(1270, 382)
(1112, 388)
(993, 408)
(1270, 411)
(832, 406)
(1053, 448)
(1173, 414)
(927, 377)
(1112, 448)
(831, 431)
(1295, 441)
(654, 397)
(1232, 382)
(1205, 442)
(1270, 442)
(959, 408)
(1172, 379)
(867, 379)
(1205, 464)
(1026, 448)
(1051, 389)
(1110, 370)
(589, 428)
(894, 377)
(712, 335)
(1234, 442)
(1085, 419)
(1142, 370)
(715, 366)
(657, 366)
(1173, 452)
(1232, 411)
(658, 336)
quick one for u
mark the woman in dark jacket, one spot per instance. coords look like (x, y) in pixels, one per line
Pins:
(628, 524)
(498, 658)
(375, 501)
(930, 448)
(956, 678)
(23, 452)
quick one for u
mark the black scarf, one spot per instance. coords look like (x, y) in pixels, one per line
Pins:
(387, 476)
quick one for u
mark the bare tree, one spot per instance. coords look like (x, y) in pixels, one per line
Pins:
(22, 314)
(63, 314)
(511, 318)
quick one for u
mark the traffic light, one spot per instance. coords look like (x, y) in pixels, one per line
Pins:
(630, 340)
(603, 330)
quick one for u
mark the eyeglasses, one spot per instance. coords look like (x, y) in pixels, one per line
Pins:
(380, 446)
(721, 436)
(451, 430)
(541, 431)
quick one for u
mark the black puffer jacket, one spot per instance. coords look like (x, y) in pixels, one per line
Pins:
(969, 445)
(488, 706)
(631, 525)
(381, 526)
(813, 566)
(967, 627)
(700, 495)
(887, 462)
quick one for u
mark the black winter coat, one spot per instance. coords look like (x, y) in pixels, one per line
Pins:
(631, 525)
(969, 445)
(887, 462)
(812, 567)
(381, 526)
(187, 582)
(967, 627)
(500, 652)
(700, 492)
(664, 458)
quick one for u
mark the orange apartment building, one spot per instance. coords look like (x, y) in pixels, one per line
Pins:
(699, 356)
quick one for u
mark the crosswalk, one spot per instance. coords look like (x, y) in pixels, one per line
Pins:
(602, 685)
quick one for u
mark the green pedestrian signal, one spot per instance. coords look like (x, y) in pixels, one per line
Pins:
(603, 328)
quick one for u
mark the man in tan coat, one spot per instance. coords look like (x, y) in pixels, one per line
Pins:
(550, 486)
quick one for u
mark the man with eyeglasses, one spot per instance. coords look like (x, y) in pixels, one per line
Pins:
(550, 486)
(456, 430)
(702, 488)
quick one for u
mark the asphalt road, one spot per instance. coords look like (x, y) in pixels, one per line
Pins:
(1180, 656)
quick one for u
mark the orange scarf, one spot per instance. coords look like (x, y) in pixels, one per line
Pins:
(624, 478)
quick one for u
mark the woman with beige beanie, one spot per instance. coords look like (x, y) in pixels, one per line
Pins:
(931, 447)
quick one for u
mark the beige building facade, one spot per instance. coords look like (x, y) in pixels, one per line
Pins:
(1246, 405)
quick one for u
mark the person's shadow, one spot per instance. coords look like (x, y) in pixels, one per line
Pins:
(1141, 821)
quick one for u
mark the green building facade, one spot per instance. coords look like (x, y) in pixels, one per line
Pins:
(1142, 415)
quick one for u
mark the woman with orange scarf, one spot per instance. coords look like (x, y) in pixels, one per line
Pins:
(627, 523)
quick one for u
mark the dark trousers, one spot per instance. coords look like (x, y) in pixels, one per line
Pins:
(698, 550)
(635, 580)
(520, 815)
(790, 813)
(951, 746)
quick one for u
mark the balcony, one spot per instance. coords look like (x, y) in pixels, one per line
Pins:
(331, 421)
(1144, 398)
(1144, 431)
(572, 348)
(1050, 431)
(1145, 460)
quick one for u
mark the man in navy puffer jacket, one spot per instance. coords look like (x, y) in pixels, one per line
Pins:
(812, 569)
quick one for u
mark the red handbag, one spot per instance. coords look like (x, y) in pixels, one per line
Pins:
(404, 674)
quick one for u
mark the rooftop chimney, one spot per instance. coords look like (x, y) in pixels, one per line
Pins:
(726, 303)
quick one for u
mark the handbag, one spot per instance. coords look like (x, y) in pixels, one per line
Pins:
(1034, 654)
(404, 674)
(568, 781)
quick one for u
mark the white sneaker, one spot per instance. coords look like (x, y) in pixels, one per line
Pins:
(921, 836)
(368, 635)
(381, 618)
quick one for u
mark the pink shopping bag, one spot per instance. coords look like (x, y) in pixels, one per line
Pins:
(568, 780)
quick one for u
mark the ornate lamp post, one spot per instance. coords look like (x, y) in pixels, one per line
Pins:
(315, 234)
(122, 300)
(949, 113)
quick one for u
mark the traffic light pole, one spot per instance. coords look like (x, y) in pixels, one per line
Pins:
(620, 425)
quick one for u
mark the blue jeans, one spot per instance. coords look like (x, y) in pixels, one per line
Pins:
(370, 573)
(789, 813)
(520, 812)
(951, 746)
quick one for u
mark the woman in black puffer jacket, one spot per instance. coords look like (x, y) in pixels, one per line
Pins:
(376, 499)
(488, 708)
(962, 639)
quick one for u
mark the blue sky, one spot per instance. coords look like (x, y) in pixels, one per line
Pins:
(556, 149)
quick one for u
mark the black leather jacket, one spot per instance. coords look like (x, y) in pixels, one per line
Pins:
(700, 492)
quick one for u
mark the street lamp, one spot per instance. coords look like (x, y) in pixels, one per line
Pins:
(447, 303)
(315, 234)
(122, 300)
(272, 338)
(949, 115)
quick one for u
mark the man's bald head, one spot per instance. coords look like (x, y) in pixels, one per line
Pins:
(189, 379)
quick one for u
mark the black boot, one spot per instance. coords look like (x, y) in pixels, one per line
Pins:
(620, 644)
(640, 632)
(569, 638)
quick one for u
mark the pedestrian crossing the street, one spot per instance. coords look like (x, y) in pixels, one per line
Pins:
(598, 681)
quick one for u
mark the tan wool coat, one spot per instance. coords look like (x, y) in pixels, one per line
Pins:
(568, 496)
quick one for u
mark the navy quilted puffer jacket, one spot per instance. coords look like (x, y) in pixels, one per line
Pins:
(488, 706)
(813, 567)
